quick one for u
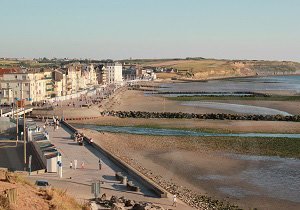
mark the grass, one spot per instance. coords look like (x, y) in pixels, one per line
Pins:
(158, 126)
(283, 147)
(231, 98)
(58, 199)
(8, 62)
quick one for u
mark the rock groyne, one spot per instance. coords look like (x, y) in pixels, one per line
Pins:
(212, 116)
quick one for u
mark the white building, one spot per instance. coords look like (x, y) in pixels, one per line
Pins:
(114, 72)
(29, 86)
(73, 75)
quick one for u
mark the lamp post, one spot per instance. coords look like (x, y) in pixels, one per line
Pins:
(22, 105)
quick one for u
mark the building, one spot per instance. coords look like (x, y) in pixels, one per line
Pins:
(30, 86)
(73, 76)
(101, 74)
(129, 73)
(88, 77)
(114, 72)
(60, 82)
(41, 84)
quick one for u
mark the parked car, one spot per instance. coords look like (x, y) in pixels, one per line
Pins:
(42, 184)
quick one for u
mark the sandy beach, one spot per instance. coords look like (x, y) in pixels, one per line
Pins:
(133, 100)
(180, 161)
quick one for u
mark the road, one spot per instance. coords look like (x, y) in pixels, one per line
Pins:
(78, 182)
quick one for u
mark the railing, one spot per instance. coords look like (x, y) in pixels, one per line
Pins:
(17, 112)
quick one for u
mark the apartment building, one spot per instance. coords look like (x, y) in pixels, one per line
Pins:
(101, 74)
(29, 86)
(89, 76)
(60, 82)
(73, 76)
(42, 84)
(114, 72)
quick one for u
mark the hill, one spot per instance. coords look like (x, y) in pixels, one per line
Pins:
(28, 197)
(200, 68)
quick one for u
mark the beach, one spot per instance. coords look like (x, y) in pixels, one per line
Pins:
(217, 167)
(180, 161)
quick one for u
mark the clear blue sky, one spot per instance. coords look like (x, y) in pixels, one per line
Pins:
(234, 29)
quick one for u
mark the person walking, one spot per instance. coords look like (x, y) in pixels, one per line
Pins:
(82, 165)
(71, 165)
(174, 200)
(75, 164)
(100, 164)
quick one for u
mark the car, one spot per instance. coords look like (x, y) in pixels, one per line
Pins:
(42, 184)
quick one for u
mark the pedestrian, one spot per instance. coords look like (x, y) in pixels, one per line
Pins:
(82, 165)
(75, 164)
(71, 165)
(100, 164)
(174, 200)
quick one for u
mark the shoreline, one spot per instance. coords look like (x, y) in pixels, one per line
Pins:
(215, 126)
(231, 77)
(171, 161)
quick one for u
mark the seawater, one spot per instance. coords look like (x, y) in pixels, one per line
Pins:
(178, 132)
(250, 84)
(272, 176)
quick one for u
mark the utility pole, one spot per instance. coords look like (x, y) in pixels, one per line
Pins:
(24, 134)
(17, 124)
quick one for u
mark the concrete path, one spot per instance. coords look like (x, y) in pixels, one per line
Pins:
(78, 182)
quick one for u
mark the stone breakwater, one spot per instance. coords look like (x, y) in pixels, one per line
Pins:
(218, 116)
(241, 94)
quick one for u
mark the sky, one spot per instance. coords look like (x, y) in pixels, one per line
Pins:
(122, 29)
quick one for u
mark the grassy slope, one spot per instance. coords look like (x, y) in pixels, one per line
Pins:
(210, 68)
(32, 198)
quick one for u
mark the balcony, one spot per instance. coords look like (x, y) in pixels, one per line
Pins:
(50, 89)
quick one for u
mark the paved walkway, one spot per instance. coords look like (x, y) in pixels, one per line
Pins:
(78, 182)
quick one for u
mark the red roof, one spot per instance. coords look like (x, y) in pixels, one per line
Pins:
(5, 71)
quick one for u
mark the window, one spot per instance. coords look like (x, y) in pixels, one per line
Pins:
(24, 77)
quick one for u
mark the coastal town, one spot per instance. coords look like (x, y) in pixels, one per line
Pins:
(36, 85)
(84, 120)
(149, 105)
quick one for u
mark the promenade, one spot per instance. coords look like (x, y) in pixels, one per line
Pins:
(78, 182)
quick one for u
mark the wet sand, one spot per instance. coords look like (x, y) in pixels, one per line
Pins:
(224, 126)
(184, 160)
(132, 100)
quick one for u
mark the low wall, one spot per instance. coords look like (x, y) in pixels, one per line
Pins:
(126, 167)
